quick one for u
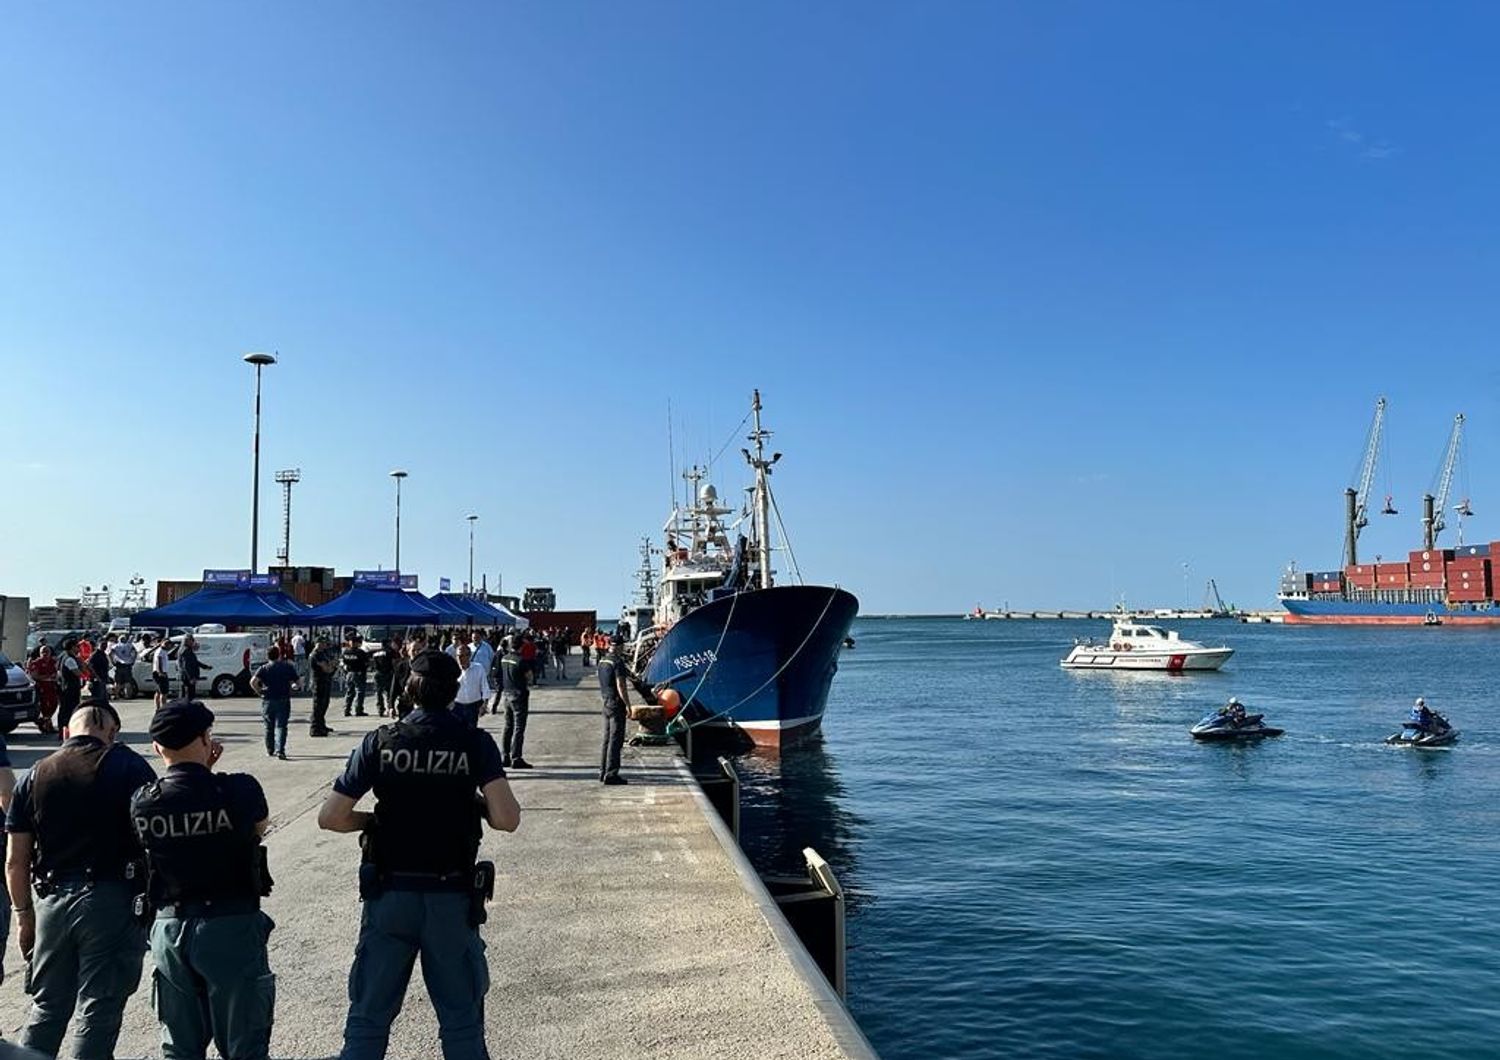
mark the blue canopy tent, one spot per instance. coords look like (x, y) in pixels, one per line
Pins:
(457, 616)
(365, 605)
(481, 610)
(229, 606)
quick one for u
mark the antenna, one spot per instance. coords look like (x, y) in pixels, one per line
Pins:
(288, 478)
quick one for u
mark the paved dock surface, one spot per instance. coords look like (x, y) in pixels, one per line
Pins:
(620, 926)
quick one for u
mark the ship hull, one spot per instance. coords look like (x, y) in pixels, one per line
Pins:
(757, 665)
(1335, 612)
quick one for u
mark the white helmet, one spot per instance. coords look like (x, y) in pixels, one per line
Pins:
(1420, 702)
(1234, 701)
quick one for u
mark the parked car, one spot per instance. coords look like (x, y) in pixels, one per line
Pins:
(18, 698)
(229, 659)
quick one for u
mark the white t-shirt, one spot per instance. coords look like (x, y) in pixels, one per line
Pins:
(123, 653)
(299, 645)
(159, 661)
(471, 685)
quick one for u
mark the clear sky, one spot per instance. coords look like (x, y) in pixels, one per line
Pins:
(1045, 299)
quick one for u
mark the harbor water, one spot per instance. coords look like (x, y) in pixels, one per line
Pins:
(1042, 863)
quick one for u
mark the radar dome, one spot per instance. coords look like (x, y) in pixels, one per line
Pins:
(708, 493)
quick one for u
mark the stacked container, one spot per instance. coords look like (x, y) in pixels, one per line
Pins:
(1469, 580)
(1360, 575)
(1427, 568)
(1471, 551)
(1392, 576)
(1328, 581)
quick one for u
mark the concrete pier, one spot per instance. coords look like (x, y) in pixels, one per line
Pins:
(622, 926)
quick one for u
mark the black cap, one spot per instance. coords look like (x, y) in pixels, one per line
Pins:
(616, 638)
(436, 664)
(180, 722)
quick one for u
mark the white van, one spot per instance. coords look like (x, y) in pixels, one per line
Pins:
(228, 661)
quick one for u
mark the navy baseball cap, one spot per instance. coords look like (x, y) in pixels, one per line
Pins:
(436, 664)
(180, 722)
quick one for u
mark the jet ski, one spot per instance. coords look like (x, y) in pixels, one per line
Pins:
(1223, 726)
(1437, 733)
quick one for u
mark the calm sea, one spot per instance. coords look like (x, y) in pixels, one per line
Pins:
(1044, 864)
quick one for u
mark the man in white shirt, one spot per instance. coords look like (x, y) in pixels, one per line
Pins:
(122, 656)
(300, 659)
(470, 698)
(484, 655)
(161, 673)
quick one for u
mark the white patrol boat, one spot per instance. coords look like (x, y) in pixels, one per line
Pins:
(1136, 646)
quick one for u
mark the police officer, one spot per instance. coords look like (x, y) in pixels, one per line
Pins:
(356, 662)
(416, 644)
(517, 692)
(323, 661)
(70, 834)
(614, 693)
(201, 832)
(433, 777)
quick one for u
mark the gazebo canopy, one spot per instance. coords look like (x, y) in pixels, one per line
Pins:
(230, 606)
(363, 605)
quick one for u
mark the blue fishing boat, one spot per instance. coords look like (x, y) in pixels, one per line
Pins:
(751, 659)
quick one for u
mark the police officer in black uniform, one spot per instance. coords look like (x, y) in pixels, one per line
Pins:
(201, 831)
(516, 689)
(356, 663)
(70, 838)
(434, 778)
(323, 662)
(615, 695)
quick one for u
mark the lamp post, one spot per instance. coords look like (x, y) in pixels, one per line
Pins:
(260, 360)
(398, 475)
(472, 520)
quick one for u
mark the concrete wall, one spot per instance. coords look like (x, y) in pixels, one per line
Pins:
(14, 611)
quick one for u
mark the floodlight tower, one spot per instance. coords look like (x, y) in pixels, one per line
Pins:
(288, 478)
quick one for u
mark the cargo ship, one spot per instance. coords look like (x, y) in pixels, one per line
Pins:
(1432, 586)
(1451, 586)
(752, 660)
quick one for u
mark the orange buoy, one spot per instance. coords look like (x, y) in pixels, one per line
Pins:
(670, 700)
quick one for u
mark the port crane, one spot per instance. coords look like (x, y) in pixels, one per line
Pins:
(1212, 601)
(1433, 506)
(1356, 499)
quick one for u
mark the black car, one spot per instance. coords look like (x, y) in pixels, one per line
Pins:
(18, 698)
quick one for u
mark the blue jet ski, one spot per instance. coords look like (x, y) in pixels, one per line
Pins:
(1434, 733)
(1223, 726)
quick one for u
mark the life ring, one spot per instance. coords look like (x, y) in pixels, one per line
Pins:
(1128, 646)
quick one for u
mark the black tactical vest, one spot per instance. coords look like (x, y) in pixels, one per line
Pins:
(201, 846)
(76, 832)
(425, 781)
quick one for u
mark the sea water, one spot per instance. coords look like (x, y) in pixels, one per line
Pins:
(1042, 863)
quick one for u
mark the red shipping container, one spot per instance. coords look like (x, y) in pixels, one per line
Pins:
(1436, 556)
(1392, 575)
(1470, 563)
(1423, 580)
(1468, 596)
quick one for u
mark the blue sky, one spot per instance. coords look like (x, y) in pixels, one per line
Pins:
(1045, 300)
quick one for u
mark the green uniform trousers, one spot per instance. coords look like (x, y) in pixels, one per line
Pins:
(87, 962)
(213, 982)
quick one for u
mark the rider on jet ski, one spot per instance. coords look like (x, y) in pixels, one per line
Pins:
(1234, 710)
(1424, 719)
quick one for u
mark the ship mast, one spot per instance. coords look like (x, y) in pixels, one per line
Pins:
(762, 498)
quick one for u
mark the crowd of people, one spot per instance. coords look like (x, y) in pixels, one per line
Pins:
(109, 859)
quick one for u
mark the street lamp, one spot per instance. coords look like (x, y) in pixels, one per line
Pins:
(472, 520)
(260, 360)
(398, 475)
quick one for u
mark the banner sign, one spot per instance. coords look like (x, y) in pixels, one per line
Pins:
(377, 579)
(408, 581)
(265, 581)
(444, 585)
(221, 578)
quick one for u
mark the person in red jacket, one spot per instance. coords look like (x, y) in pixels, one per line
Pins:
(43, 670)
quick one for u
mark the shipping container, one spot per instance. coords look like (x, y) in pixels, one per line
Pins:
(1421, 580)
(1469, 563)
(1430, 555)
(1468, 596)
(1470, 551)
(1392, 575)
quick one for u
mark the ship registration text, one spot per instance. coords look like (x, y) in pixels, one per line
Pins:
(695, 660)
